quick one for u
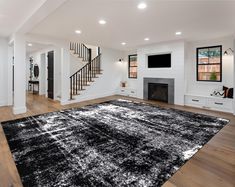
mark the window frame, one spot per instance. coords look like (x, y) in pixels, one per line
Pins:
(129, 67)
(208, 47)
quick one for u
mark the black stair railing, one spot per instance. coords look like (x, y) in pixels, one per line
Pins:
(85, 75)
(81, 50)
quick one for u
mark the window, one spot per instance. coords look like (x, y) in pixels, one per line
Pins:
(209, 63)
(132, 66)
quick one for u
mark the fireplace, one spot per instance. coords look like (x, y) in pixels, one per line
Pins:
(158, 92)
(160, 89)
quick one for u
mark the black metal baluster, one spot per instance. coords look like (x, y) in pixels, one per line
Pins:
(94, 68)
(95, 65)
(81, 80)
(82, 52)
(73, 86)
(71, 94)
(77, 48)
(84, 76)
(99, 64)
(90, 71)
(87, 72)
(76, 83)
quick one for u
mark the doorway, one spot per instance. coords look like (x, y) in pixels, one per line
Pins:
(50, 75)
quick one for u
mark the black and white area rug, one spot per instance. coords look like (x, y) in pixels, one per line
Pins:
(116, 143)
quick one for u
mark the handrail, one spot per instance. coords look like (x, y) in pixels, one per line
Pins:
(85, 65)
(81, 50)
(84, 75)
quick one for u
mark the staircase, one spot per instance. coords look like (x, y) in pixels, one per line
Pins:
(87, 74)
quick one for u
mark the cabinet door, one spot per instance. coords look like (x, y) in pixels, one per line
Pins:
(225, 105)
(195, 101)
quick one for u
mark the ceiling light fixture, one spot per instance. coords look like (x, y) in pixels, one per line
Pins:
(142, 6)
(123, 43)
(30, 45)
(102, 22)
(146, 39)
(178, 33)
(78, 32)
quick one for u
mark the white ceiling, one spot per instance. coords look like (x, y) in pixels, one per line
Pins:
(13, 13)
(35, 47)
(198, 20)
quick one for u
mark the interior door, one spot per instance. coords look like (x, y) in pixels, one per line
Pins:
(50, 76)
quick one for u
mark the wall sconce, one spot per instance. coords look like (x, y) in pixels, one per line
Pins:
(229, 51)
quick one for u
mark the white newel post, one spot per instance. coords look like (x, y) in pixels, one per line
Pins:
(19, 103)
(65, 73)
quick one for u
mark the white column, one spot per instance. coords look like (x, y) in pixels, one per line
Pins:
(10, 75)
(65, 74)
(19, 105)
(233, 77)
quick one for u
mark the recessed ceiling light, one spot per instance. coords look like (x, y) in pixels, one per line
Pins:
(123, 43)
(178, 33)
(78, 32)
(146, 39)
(142, 6)
(102, 22)
(30, 45)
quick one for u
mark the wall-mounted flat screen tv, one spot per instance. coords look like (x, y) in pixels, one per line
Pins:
(159, 61)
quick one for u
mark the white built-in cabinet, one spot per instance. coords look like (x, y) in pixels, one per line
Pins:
(209, 102)
(126, 91)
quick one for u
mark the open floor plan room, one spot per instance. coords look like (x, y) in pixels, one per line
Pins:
(117, 93)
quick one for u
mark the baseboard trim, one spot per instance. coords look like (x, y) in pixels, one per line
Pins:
(85, 98)
(19, 110)
(3, 103)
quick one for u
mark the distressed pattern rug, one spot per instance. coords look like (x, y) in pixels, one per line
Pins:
(116, 143)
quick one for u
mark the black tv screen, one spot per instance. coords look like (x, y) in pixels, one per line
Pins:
(159, 61)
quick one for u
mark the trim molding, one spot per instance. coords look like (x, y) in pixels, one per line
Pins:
(19, 110)
(81, 98)
(3, 103)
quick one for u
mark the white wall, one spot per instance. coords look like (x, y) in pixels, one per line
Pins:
(43, 73)
(3, 71)
(94, 50)
(206, 88)
(176, 71)
(109, 81)
(57, 73)
(75, 64)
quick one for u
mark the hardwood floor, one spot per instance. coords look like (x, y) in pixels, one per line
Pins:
(212, 166)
